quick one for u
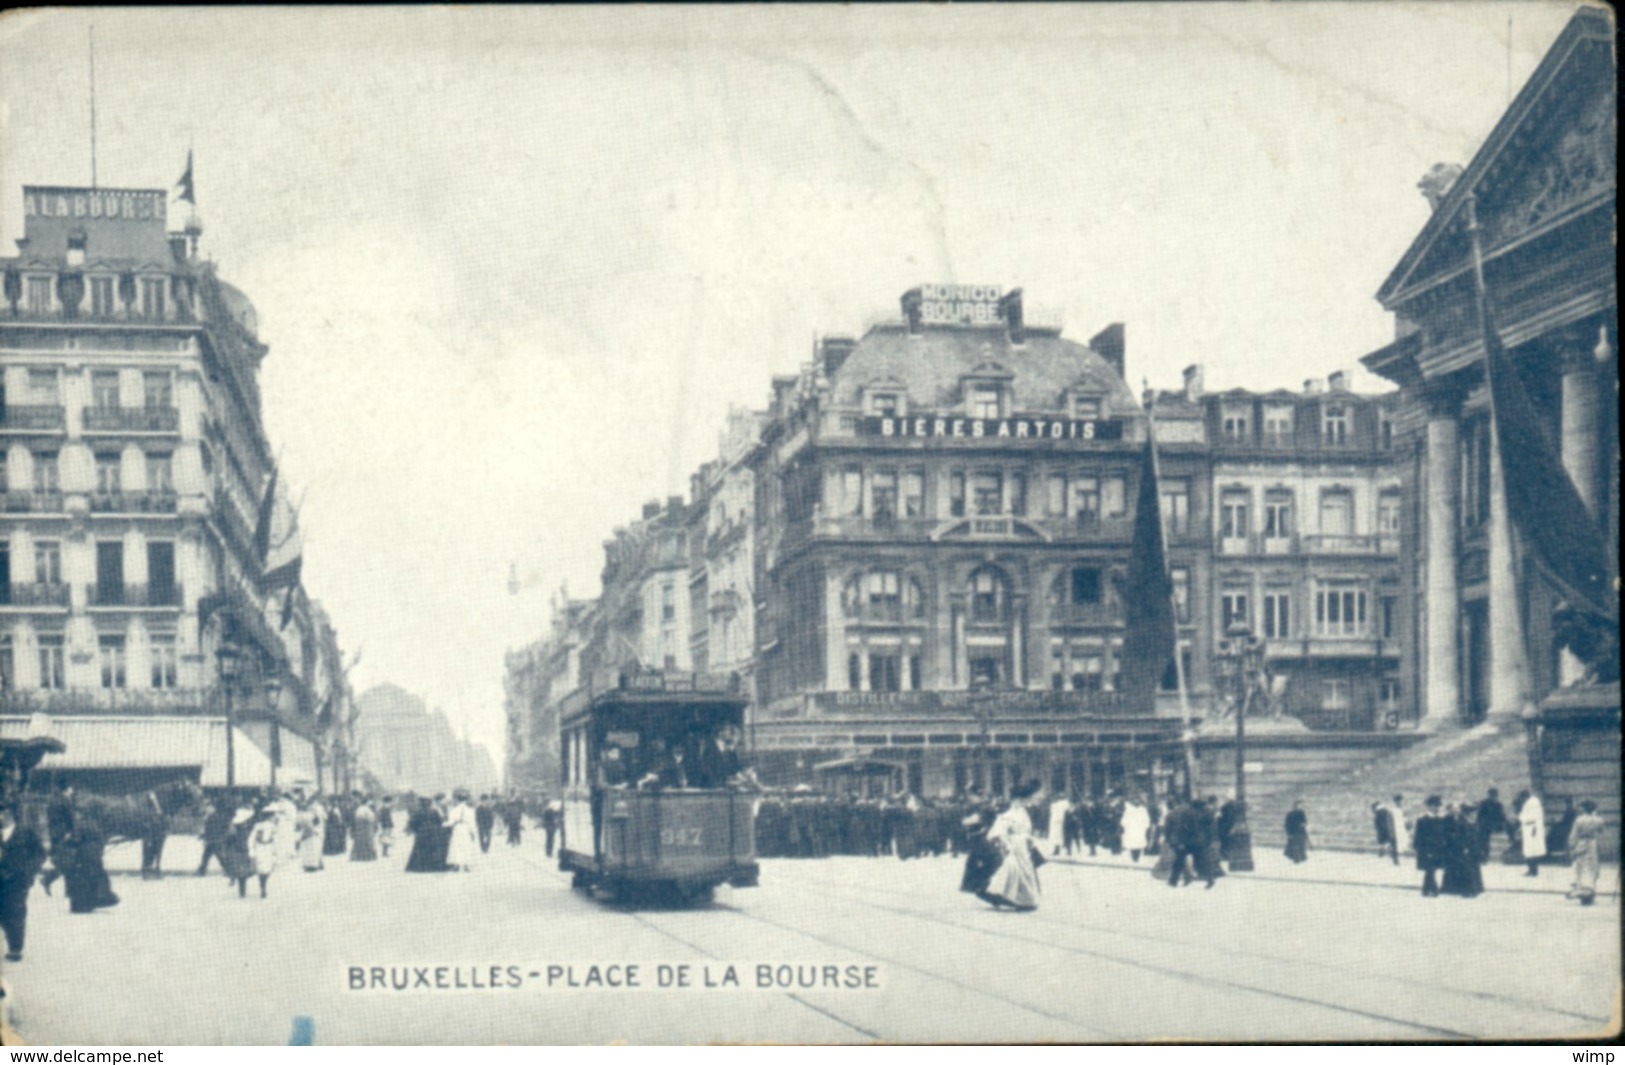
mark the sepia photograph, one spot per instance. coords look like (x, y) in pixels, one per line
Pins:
(810, 524)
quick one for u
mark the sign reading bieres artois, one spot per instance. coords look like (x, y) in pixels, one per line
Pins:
(133, 205)
(1028, 428)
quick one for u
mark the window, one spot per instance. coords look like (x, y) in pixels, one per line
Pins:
(1388, 691)
(883, 495)
(1387, 614)
(1277, 515)
(160, 472)
(1180, 577)
(956, 494)
(1085, 585)
(1334, 422)
(1079, 665)
(987, 492)
(1086, 500)
(1388, 513)
(883, 404)
(39, 295)
(101, 296)
(42, 387)
(47, 472)
(854, 671)
(913, 493)
(988, 599)
(161, 589)
(1385, 431)
(110, 572)
(164, 662)
(985, 671)
(1277, 424)
(885, 673)
(109, 473)
(1176, 507)
(104, 390)
(668, 602)
(985, 402)
(883, 594)
(1018, 494)
(8, 665)
(1336, 513)
(158, 390)
(1340, 610)
(152, 297)
(1233, 515)
(1113, 493)
(52, 663)
(1086, 408)
(913, 601)
(111, 654)
(1056, 496)
(1233, 608)
(47, 562)
(1336, 693)
(1277, 613)
(5, 473)
(851, 493)
(914, 672)
(1234, 422)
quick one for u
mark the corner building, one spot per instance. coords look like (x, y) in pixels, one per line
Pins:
(944, 517)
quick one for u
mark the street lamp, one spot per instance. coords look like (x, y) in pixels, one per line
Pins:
(1238, 663)
(228, 657)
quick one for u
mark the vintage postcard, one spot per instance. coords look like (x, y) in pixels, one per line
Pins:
(1084, 523)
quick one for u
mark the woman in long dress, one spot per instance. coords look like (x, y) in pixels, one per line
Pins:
(1015, 882)
(462, 845)
(1585, 848)
(1297, 834)
(1135, 827)
(234, 851)
(311, 831)
(981, 854)
(263, 846)
(424, 826)
(1532, 831)
(363, 829)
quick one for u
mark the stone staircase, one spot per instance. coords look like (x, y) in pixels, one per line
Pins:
(1457, 765)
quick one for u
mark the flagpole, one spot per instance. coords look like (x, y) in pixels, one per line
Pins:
(92, 106)
(1185, 737)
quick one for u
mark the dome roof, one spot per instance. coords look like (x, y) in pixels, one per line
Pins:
(241, 309)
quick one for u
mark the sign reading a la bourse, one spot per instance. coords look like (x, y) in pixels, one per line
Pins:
(132, 205)
(1028, 428)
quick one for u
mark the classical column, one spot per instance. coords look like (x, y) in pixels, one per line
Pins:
(1509, 674)
(1442, 701)
(1580, 445)
(835, 672)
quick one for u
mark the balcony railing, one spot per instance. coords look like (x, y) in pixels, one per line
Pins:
(33, 502)
(1257, 544)
(1085, 614)
(1089, 528)
(159, 502)
(132, 420)
(1348, 544)
(131, 700)
(48, 594)
(133, 595)
(33, 418)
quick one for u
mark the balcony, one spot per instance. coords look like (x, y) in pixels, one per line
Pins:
(1090, 614)
(33, 418)
(133, 596)
(132, 420)
(33, 502)
(159, 502)
(1256, 544)
(885, 611)
(1348, 544)
(131, 701)
(1089, 528)
(36, 595)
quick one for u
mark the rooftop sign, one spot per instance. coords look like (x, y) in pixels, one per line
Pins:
(960, 305)
(1020, 428)
(131, 205)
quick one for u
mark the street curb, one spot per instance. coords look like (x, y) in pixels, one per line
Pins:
(1409, 888)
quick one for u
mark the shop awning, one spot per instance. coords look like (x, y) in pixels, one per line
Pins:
(858, 765)
(113, 742)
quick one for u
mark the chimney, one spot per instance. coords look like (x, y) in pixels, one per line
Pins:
(911, 310)
(1338, 381)
(783, 386)
(1193, 383)
(1311, 386)
(833, 353)
(1014, 320)
(674, 503)
(651, 509)
(1109, 345)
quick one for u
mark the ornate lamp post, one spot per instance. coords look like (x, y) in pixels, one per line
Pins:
(229, 657)
(1238, 663)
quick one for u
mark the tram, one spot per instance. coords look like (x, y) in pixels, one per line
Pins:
(653, 789)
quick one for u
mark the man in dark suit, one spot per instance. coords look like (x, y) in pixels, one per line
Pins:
(21, 856)
(1429, 839)
(718, 760)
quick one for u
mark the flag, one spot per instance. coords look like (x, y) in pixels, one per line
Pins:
(1148, 607)
(262, 527)
(1562, 537)
(188, 195)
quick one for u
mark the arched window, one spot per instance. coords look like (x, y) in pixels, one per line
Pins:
(913, 600)
(989, 595)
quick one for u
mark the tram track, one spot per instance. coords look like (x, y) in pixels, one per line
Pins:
(834, 890)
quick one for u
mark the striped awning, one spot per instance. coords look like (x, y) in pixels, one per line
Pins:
(145, 742)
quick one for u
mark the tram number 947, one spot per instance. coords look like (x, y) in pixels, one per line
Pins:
(681, 836)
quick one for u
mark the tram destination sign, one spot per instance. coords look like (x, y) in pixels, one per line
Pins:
(1023, 428)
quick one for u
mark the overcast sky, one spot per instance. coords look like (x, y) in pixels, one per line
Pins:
(514, 265)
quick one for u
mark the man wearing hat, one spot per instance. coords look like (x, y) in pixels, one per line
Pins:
(1429, 840)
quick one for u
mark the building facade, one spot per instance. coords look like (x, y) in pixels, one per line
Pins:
(134, 469)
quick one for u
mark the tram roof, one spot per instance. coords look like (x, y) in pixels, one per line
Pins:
(610, 692)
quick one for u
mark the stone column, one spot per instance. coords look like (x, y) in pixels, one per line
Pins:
(1440, 488)
(835, 675)
(1580, 446)
(1509, 673)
